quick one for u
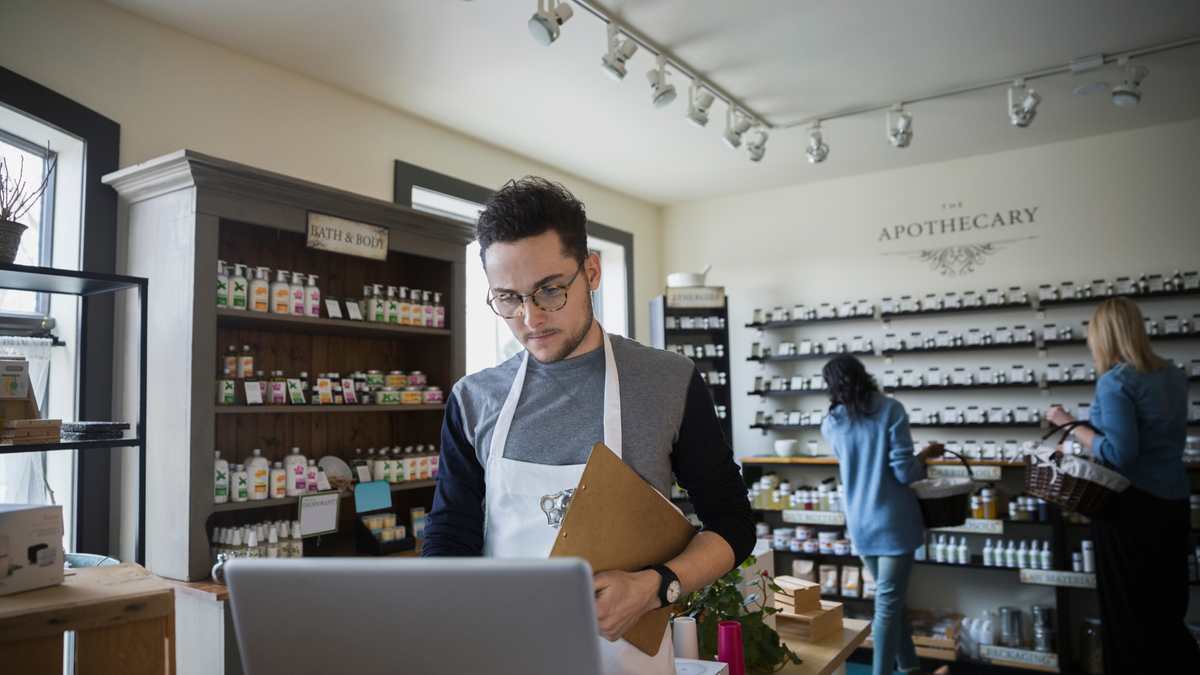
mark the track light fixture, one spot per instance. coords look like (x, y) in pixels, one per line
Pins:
(544, 23)
(619, 52)
(1022, 113)
(757, 147)
(699, 101)
(1128, 95)
(661, 93)
(736, 125)
(901, 134)
(817, 150)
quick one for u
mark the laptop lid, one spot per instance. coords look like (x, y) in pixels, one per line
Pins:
(451, 616)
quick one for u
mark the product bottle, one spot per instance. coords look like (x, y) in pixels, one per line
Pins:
(222, 285)
(240, 490)
(296, 288)
(393, 306)
(237, 288)
(1010, 555)
(285, 548)
(415, 318)
(976, 506)
(427, 307)
(278, 481)
(404, 316)
(221, 480)
(822, 497)
(297, 548)
(1045, 555)
(439, 312)
(226, 389)
(379, 304)
(1022, 556)
(245, 366)
(252, 549)
(259, 470)
(311, 473)
(939, 549)
(364, 303)
(281, 294)
(296, 467)
(312, 298)
(964, 552)
(235, 544)
(988, 498)
(229, 361)
(279, 395)
(260, 289)
(273, 544)
(987, 553)
(382, 469)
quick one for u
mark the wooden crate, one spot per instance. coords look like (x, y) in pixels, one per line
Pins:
(811, 626)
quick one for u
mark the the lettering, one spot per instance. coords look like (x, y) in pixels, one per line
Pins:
(959, 224)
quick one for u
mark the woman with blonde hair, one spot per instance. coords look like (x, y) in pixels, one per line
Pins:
(1141, 534)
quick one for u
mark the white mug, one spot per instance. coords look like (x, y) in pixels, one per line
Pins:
(686, 644)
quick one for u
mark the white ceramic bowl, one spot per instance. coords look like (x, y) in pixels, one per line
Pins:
(786, 448)
(685, 280)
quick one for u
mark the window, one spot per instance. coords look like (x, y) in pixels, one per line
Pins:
(29, 162)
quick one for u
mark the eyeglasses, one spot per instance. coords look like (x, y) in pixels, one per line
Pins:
(547, 299)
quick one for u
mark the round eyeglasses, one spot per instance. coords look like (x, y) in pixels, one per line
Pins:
(547, 299)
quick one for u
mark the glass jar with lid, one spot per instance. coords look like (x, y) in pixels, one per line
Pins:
(417, 379)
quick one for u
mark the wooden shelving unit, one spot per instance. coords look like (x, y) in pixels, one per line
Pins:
(325, 409)
(661, 336)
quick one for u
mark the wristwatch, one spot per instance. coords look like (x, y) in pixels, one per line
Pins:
(669, 588)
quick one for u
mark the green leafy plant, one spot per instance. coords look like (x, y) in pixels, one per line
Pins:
(722, 601)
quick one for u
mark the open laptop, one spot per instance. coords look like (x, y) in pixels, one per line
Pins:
(450, 616)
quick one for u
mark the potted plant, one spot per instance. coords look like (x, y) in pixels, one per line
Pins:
(16, 199)
(722, 601)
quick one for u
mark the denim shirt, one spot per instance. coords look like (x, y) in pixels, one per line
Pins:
(1143, 417)
(875, 458)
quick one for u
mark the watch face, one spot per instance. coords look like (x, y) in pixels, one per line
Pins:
(673, 592)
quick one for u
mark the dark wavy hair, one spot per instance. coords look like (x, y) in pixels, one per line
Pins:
(850, 385)
(529, 207)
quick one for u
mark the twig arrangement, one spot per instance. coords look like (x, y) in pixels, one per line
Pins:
(15, 197)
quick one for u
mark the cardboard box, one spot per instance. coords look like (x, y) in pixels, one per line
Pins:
(30, 547)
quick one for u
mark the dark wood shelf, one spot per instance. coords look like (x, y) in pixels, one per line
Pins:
(964, 348)
(1097, 299)
(957, 310)
(71, 445)
(786, 392)
(951, 387)
(767, 325)
(805, 357)
(307, 325)
(321, 409)
(284, 501)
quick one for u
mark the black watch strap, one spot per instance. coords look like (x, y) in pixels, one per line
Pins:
(668, 577)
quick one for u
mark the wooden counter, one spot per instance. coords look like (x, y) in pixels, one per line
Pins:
(825, 656)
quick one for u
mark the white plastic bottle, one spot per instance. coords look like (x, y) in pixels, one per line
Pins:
(285, 547)
(439, 312)
(1022, 556)
(1045, 555)
(220, 480)
(297, 290)
(281, 294)
(378, 304)
(296, 467)
(278, 481)
(964, 552)
(414, 307)
(222, 284)
(239, 484)
(312, 298)
(252, 548)
(273, 544)
(311, 475)
(988, 560)
(364, 303)
(235, 542)
(939, 549)
(382, 470)
(238, 288)
(427, 308)
(404, 316)
(393, 306)
(297, 548)
(260, 289)
(260, 473)
(1010, 554)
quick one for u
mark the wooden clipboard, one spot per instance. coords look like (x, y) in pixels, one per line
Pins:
(618, 521)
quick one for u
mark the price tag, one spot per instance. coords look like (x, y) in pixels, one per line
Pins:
(348, 394)
(253, 393)
(295, 394)
(352, 311)
(322, 481)
(319, 513)
(333, 307)
(363, 471)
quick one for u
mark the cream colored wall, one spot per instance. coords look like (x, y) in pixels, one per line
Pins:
(169, 90)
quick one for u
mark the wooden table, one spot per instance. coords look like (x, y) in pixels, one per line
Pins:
(828, 654)
(124, 618)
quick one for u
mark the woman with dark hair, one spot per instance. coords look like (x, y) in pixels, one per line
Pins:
(870, 436)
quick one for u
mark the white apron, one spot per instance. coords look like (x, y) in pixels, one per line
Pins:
(515, 525)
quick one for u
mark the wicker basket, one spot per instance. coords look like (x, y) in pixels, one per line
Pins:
(950, 510)
(1054, 478)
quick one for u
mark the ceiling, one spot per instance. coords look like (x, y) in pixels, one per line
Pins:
(473, 67)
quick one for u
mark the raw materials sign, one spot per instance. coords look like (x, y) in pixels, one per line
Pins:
(330, 233)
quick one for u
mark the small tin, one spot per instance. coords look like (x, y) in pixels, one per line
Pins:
(432, 395)
(411, 396)
(374, 379)
(810, 545)
(417, 379)
(387, 396)
(841, 547)
(796, 545)
(395, 379)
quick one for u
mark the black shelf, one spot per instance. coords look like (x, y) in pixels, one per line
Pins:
(786, 392)
(982, 425)
(784, 427)
(1097, 299)
(1082, 342)
(804, 357)
(976, 561)
(308, 325)
(767, 325)
(686, 331)
(71, 445)
(951, 387)
(66, 282)
(964, 348)
(956, 310)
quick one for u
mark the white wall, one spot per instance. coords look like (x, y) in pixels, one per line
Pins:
(169, 90)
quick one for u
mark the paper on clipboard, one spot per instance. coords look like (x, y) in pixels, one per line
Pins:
(618, 521)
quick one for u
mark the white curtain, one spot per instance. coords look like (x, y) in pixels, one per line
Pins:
(22, 475)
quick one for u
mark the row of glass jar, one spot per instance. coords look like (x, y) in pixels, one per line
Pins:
(694, 322)
(1143, 284)
(974, 415)
(794, 383)
(826, 310)
(704, 351)
(933, 302)
(936, 377)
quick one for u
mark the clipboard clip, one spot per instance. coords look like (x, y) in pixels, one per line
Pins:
(555, 506)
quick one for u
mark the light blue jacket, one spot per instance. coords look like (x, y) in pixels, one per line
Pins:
(875, 457)
(1143, 417)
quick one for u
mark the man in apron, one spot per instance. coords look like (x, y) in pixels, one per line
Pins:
(524, 429)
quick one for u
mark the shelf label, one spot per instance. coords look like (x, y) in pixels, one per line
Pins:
(334, 309)
(319, 513)
(814, 517)
(329, 233)
(976, 526)
(696, 296)
(980, 473)
(1026, 657)
(1058, 578)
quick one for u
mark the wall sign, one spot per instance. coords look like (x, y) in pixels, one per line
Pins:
(1058, 578)
(696, 296)
(984, 473)
(319, 513)
(1026, 657)
(814, 517)
(976, 526)
(329, 233)
(939, 239)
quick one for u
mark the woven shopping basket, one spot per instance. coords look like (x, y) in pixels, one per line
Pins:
(945, 502)
(1073, 483)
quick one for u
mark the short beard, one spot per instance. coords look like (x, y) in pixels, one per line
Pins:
(574, 340)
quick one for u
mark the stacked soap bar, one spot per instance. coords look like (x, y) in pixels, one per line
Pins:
(29, 432)
(802, 613)
(93, 431)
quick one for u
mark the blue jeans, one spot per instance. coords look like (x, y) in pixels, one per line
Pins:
(893, 636)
